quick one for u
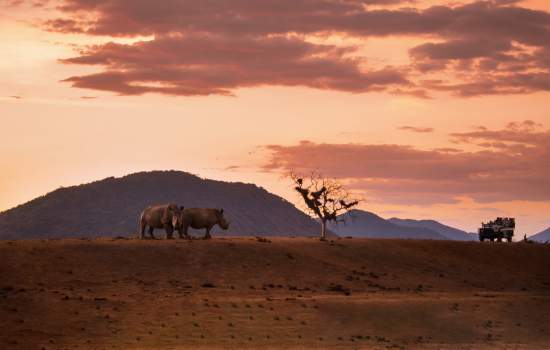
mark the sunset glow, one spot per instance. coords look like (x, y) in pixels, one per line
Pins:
(427, 109)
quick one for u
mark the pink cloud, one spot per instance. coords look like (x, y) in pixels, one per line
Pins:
(214, 47)
(406, 175)
(212, 64)
(416, 129)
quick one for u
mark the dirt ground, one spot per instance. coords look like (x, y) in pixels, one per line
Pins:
(286, 293)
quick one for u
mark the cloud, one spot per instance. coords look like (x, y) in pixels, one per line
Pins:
(203, 64)
(215, 47)
(244, 17)
(517, 168)
(235, 17)
(416, 129)
(31, 3)
(525, 136)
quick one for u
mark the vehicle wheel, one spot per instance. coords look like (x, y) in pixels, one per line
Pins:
(499, 239)
(509, 239)
(492, 239)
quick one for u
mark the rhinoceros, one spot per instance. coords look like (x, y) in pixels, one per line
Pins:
(160, 216)
(199, 218)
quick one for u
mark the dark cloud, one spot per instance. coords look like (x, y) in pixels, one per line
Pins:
(214, 64)
(482, 47)
(460, 49)
(512, 165)
(502, 83)
(236, 17)
(248, 17)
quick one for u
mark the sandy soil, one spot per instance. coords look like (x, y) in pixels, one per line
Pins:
(289, 293)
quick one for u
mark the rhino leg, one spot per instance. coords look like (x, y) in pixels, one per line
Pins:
(169, 232)
(207, 235)
(142, 231)
(151, 229)
(182, 231)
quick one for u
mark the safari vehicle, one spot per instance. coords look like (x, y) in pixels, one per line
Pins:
(499, 229)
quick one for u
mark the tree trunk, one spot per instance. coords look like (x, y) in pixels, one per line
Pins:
(323, 230)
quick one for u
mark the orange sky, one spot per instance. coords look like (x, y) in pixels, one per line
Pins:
(58, 135)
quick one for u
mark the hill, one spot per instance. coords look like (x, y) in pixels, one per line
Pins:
(291, 293)
(111, 207)
(543, 236)
(444, 230)
(360, 223)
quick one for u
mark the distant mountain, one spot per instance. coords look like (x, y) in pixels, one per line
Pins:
(444, 230)
(543, 236)
(359, 223)
(111, 207)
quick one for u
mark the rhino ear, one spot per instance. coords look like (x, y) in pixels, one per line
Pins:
(221, 211)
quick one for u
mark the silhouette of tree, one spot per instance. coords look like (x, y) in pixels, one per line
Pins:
(324, 197)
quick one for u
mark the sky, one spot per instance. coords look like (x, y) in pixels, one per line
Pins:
(425, 109)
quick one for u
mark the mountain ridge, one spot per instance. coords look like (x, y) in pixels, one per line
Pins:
(543, 236)
(111, 207)
(361, 223)
(445, 230)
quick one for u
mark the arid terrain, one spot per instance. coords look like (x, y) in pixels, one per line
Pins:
(280, 293)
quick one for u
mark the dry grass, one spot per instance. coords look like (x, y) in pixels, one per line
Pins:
(293, 293)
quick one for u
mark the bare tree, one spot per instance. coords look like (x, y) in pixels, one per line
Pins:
(325, 198)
